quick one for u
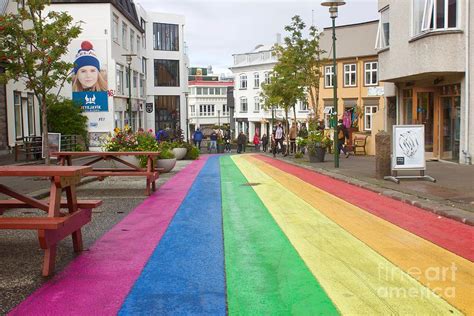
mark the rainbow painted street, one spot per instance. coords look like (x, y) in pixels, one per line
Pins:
(251, 235)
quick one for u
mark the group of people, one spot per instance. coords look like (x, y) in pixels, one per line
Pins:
(277, 139)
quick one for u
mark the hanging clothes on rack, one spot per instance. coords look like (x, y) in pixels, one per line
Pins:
(347, 118)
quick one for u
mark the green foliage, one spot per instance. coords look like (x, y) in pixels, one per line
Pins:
(165, 149)
(33, 42)
(66, 118)
(192, 154)
(299, 155)
(121, 140)
(317, 139)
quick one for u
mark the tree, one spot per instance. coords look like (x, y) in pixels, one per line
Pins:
(32, 44)
(297, 71)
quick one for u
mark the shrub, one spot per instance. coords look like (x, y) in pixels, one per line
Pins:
(65, 117)
(192, 153)
(299, 155)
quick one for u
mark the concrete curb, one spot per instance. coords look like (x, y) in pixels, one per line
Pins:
(435, 207)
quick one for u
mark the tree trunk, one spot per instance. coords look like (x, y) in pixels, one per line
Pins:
(287, 133)
(44, 125)
(314, 101)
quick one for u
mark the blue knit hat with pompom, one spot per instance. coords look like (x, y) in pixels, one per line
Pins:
(86, 57)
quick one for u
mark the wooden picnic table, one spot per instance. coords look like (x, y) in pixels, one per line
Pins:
(56, 226)
(151, 174)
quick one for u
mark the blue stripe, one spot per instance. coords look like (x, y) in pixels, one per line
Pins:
(185, 274)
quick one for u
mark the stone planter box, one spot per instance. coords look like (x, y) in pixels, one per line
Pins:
(179, 153)
(166, 164)
(318, 156)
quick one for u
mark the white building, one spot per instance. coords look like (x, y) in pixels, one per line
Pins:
(251, 70)
(207, 101)
(114, 28)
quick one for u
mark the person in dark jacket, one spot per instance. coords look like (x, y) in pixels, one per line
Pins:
(197, 138)
(342, 135)
(213, 141)
(227, 139)
(241, 142)
(265, 142)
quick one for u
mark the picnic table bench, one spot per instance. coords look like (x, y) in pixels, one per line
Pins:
(151, 173)
(56, 226)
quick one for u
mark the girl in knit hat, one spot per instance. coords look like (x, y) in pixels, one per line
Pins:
(87, 73)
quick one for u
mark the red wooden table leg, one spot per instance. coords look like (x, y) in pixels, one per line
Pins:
(72, 206)
(49, 260)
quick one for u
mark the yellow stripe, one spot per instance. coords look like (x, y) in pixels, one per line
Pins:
(346, 267)
(445, 273)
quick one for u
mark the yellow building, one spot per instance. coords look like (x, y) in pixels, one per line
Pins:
(360, 94)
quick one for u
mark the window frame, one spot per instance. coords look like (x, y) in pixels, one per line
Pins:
(371, 71)
(256, 104)
(242, 99)
(243, 81)
(30, 111)
(331, 76)
(350, 72)
(428, 17)
(18, 117)
(119, 83)
(166, 63)
(115, 28)
(370, 114)
(166, 37)
(256, 80)
(382, 42)
(124, 35)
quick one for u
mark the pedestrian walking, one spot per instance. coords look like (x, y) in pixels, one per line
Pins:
(265, 142)
(278, 136)
(241, 140)
(342, 135)
(227, 137)
(197, 138)
(256, 142)
(292, 134)
(213, 141)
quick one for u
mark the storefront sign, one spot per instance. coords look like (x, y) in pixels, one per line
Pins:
(149, 107)
(96, 101)
(375, 92)
(408, 148)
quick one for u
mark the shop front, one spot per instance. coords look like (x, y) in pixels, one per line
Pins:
(439, 110)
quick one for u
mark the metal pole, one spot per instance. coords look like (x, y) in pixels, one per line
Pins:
(219, 118)
(130, 95)
(336, 149)
(187, 117)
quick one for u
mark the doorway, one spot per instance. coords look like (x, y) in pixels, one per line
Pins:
(425, 115)
(451, 127)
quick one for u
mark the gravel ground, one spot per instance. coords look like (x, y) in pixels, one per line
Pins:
(21, 257)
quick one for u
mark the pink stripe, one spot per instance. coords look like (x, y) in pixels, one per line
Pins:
(98, 281)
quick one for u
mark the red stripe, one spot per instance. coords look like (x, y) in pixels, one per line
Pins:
(444, 232)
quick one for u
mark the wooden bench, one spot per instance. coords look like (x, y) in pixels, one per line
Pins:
(150, 172)
(57, 225)
(31, 146)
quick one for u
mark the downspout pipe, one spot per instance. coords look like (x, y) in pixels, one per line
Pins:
(467, 155)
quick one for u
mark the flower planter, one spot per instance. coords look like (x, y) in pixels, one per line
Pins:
(179, 153)
(318, 156)
(220, 148)
(166, 164)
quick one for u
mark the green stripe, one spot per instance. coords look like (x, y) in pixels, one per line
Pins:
(264, 273)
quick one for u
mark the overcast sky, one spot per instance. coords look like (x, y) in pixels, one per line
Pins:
(216, 29)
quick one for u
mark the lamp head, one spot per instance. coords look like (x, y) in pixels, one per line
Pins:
(333, 6)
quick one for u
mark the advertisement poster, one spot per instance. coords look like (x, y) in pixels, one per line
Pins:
(408, 147)
(89, 80)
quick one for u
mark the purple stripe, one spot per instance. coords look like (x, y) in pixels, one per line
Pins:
(98, 281)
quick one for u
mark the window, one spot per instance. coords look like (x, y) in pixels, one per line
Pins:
(350, 75)
(167, 113)
(193, 110)
(199, 91)
(303, 105)
(31, 114)
(257, 104)
(434, 15)
(115, 26)
(267, 77)
(369, 112)
(18, 115)
(132, 40)
(243, 81)
(124, 35)
(371, 73)
(165, 36)
(138, 45)
(383, 32)
(224, 91)
(206, 110)
(211, 91)
(327, 115)
(143, 25)
(135, 79)
(142, 85)
(328, 76)
(205, 91)
(225, 110)
(256, 80)
(119, 78)
(118, 118)
(166, 73)
(127, 79)
(243, 105)
(144, 65)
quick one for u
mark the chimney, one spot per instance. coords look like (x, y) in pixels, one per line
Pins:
(278, 38)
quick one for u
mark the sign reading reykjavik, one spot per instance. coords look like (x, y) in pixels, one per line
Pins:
(92, 101)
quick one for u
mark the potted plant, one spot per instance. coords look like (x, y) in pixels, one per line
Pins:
(166, 159)
(220, 145)
(317, 144)
(178, 149)
(302, 143)
(122, 140)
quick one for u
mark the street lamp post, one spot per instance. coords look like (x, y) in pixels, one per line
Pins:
(129, 63)
(186, 95)
(219, 118)
(333, 13)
